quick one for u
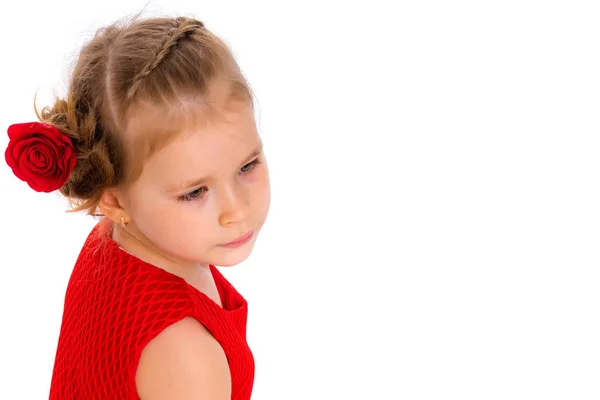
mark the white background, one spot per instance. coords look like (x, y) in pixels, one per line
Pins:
(435, 224)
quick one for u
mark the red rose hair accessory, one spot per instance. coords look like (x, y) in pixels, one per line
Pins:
(41, 155)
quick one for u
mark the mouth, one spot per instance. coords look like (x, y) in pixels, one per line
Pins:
(239, 241)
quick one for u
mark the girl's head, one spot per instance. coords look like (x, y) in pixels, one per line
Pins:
(162, 121)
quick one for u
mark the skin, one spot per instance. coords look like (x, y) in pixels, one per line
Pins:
(181, 228)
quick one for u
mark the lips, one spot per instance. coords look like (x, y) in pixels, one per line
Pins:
(240, 240)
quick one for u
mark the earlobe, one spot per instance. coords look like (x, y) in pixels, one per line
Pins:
(112, 207)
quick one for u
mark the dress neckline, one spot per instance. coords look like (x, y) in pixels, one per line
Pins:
(231, 300)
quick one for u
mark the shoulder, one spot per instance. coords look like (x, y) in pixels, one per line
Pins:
(183, 362)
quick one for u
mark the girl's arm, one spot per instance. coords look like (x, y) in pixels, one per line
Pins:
(184, 362)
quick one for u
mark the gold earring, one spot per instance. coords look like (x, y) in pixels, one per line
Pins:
(123, 223)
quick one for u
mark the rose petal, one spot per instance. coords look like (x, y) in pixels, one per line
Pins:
(42, 159)
(21, 145)
(43, 184)
(8, 155)
(37, 159)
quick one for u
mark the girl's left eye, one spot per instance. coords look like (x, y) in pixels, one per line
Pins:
(246, 169)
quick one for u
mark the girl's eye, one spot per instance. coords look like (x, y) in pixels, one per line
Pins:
(199, 193)
(194, 194)
(246, 169)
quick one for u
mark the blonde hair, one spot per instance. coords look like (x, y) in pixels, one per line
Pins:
(157, 61)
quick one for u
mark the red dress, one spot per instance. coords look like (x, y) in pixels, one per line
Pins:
(115, 304)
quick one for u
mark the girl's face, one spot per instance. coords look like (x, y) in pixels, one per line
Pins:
(203, 190)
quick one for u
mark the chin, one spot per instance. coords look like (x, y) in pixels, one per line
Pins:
(228, 261)
(230, 257)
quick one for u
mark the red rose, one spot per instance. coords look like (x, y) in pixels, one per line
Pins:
(40, 154)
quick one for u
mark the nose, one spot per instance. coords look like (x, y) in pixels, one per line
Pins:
(234, 205)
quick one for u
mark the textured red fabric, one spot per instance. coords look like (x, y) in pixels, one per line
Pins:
(115, 304)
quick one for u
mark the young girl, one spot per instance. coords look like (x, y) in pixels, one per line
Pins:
(157, 135)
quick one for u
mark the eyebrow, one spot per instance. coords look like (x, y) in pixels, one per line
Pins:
(184, 185)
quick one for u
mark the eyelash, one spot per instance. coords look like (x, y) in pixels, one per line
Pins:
(200, 191)
(251, 164)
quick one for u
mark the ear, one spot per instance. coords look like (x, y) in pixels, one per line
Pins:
(111, 205)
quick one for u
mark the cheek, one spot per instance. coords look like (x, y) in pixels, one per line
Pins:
(143, 202)
(263, 193)
(181, 229)
(153, 213)
(177, 228)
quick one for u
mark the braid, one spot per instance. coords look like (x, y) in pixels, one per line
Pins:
(176, 35)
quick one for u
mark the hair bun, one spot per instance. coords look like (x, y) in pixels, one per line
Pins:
(94, 172)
